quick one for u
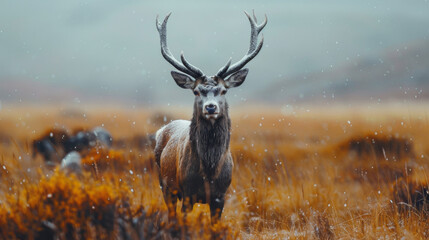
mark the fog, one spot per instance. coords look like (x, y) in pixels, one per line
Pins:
(108, 51)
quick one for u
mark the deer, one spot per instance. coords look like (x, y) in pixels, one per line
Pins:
(193, 157)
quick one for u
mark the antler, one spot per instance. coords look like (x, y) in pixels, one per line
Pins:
(253, 49)
(187, 68)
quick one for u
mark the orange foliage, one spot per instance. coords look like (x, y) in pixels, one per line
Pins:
(310, 175)
(102, 159)
(62, 202)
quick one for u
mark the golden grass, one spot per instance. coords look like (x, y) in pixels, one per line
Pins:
(302, 173)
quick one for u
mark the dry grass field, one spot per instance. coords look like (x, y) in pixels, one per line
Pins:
(327, 172)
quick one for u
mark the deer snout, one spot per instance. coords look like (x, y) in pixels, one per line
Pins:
(211, 108)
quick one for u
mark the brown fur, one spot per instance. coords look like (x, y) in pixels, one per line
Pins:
(195, 163)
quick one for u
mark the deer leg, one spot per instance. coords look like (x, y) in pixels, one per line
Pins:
(171, 202)
(216, 208)
(187, 205)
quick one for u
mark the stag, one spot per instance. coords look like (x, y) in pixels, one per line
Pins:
(193, 157)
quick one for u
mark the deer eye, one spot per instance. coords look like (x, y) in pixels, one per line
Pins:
(196, 93)
(223, 92)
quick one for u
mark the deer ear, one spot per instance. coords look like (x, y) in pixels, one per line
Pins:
(182, 80)
(236, 79)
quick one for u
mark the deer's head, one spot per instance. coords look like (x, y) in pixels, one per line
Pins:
(210, 101)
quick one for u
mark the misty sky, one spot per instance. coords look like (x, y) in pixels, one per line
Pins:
(111, 48)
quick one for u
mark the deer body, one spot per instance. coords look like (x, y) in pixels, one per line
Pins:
(193, 157)
(195, 163)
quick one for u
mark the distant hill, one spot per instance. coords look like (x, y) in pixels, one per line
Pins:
(400, 73)
(33, 91)
(25, 90)
(397, 74)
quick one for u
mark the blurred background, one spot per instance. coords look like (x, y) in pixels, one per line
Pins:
(82, 52)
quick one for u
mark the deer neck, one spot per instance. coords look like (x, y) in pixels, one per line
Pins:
(210, 141)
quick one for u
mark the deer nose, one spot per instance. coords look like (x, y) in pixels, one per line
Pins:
(211, 108)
